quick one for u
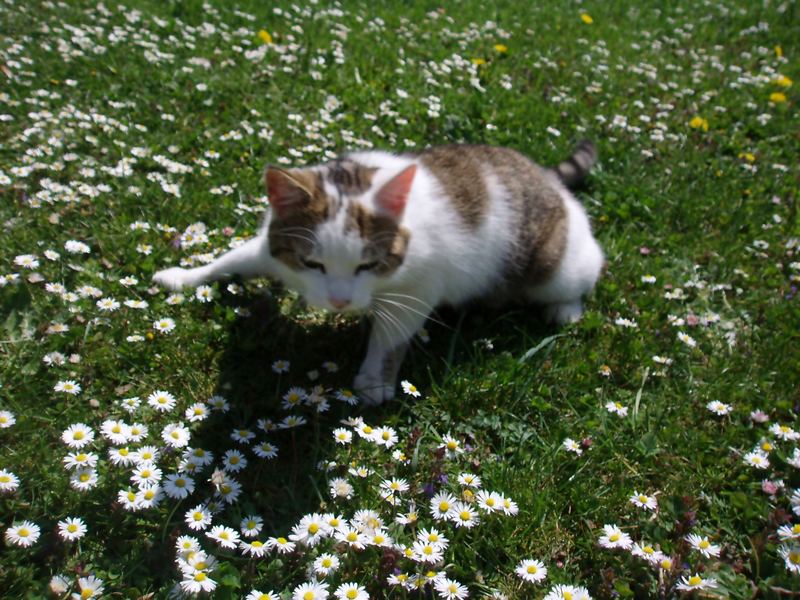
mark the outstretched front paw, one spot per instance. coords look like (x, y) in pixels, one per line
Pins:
(373, 390)
(174, 279)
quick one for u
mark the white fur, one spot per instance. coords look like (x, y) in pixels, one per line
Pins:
(446, 262)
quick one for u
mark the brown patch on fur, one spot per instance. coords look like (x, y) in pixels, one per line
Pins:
(349, 176)
(459, 171)
(385, 242)
(291, 236)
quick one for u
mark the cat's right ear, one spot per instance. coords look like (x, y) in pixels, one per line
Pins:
(288, 191)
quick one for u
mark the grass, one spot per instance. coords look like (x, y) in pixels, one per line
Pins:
(712, 212)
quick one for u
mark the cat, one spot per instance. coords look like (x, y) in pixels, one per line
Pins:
(396, 235)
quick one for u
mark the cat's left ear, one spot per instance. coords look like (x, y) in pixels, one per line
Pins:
(391, 198)
(289, 191)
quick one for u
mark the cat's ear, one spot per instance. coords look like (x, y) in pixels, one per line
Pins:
(391, 198)
(289, 191)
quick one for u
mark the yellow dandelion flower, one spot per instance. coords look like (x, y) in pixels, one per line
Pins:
(748, 156)
(501, 48)
(777, 97)
(778, 51)
(699, 123)
(478, 61)
(783, 81)
(586, 18)
(264, 36)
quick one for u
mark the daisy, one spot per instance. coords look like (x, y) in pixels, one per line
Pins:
(218, 403)
(146, 454)
(351, 591)
(242, 436)
(107, 304)
(425, 552)
(25, 534)
(330, 366)
(784, 432)
(469, 480)
(26, 261)
(71, 528)
(617, 408)
(198, 518)
(187, 544)
(251, 526)
(164, 325)
(719, 408)
(380, 539)
(757, 460)
(281, 366)
(229, 490)
(572, 446)
(199, 582)
(138, 304)
(128, 499)
(259, 595)
(175, 299)
(178, 486)
(463, 516)
(75, 460)
(614, 537)
(410, 389)
(293, 397)
(310, 591)
(76, 247)
(791, 557)
(789, 532)
(234, 461)
(433, 536)
(265, 450)
(8, 481)
(441, 504)
(385, 436)
(702, 545)
(643, 501)
(281, 544)
(149, 496)
(351, 537)
(510, 507)
(341, 488)
(665, 563)
(68, 387)
(146, 473)
(394, 485)
(325, 564)
(695, 582)
(130, 404)
(531, 570)
(311, 530)
(90, 587)
(346, 396)
(224, 536)
(204, 293)
(176, 435)
(161, 401)
(451, 445)
(687, 339)
(115, 431)
(449, 589)
(342, 436)
(196, 412)
(647, 552)
(256, 548)
(83, 479)
(7, 419)
(489, 501)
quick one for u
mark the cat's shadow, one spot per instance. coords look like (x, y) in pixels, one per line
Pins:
(284, 488)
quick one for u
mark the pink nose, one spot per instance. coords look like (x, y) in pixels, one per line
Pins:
(337, 303)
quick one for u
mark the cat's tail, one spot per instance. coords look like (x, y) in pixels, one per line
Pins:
(575, 169)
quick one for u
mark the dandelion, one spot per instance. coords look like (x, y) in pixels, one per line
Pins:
(777, 97)
(719, 408)
(783, 81)
(699, 123)
(264, 36)
(586, 18)
(72, 528)
(25, 534)
(643, 501)
(614, 537)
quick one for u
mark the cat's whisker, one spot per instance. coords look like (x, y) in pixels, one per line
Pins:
(410, 297)
(398, 325)
(402, 306)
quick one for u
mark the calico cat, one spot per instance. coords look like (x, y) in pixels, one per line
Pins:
(396, 235)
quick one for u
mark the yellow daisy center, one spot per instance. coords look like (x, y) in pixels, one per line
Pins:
(465, 515)
(367, 429)
(78, 435)
(351, 593)
(84, 477)
(703, 544)
(4, 478)
(72, 528)
(308, 596)
(327, 562)
(642, 498)
(695, 580)
(257, 544)
(87, 593)
(281, 540)
(200, 577)
(614, 537)
(444, 506)
(452, 445)
(23, 532)
(532, 570)
(794, 558)
(313, 528)
(352, 536)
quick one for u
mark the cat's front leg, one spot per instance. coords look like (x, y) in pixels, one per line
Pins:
(392, 329)
(251, 259)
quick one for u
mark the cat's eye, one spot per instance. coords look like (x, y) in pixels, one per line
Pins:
(312, 264)
(366, 266)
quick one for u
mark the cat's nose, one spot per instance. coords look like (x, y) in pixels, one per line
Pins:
(338, 303)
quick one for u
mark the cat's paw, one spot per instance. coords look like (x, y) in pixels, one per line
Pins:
(373, 390)
(175, 279)
(563, 313)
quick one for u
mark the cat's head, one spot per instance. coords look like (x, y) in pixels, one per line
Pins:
(338, 228)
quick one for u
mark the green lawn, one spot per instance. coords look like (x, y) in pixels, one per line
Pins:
(123, 127)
